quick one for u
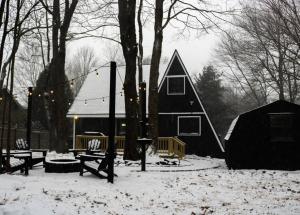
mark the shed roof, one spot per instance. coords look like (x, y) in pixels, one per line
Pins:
(277, 107)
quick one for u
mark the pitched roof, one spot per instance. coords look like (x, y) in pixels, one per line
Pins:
(176, 55)
(93, 97)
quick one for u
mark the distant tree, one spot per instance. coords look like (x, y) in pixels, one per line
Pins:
(210, 90)
(44, 101)
(81, 63)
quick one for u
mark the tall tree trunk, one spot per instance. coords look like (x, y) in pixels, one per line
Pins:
(129, 46)
(154, 72)
(4, 35)
(16, 41)
(140, 61)
(59, 106)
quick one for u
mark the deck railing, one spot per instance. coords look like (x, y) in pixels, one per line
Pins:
(171, 146)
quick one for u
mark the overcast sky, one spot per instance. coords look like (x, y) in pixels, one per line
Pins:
(196, 51)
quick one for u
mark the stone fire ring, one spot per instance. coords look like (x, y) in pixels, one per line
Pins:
(62, 165)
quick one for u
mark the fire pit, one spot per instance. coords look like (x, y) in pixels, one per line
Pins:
(62, 165)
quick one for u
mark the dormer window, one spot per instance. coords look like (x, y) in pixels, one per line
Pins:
(176, 85)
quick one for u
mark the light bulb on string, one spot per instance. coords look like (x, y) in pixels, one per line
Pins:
(103, 99)
(53, 100)
(39, 95)
(97, 73)
(85, 102)
(51, 91)
(131, 99)
(72, 83)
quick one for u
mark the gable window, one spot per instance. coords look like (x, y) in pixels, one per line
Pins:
(189, 126)
(281, 127)
(176, 85)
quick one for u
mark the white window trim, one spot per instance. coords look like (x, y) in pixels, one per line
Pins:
(176, 76)
(188, 134)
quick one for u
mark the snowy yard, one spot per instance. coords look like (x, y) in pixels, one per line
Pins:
(199, 186)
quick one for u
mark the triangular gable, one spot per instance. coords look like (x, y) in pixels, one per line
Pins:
(178, 72)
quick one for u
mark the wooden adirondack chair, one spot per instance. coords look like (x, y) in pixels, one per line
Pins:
(95, 164)
(35, 158)
(93, 146)
(18, 162)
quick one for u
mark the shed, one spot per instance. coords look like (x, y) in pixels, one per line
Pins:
(265, 138)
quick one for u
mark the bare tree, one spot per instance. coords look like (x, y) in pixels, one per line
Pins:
(127, 14)
(184, 16)
(260, 54)
(57, 73)
(81, 63)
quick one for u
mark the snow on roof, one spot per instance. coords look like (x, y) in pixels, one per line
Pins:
(93, 97)
(232, 125)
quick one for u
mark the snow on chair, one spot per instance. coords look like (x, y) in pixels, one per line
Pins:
(37, 155)
(93, 146)
(21, 144)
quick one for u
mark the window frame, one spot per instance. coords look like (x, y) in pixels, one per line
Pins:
(279, 138)
(176, 76)
(188, 134)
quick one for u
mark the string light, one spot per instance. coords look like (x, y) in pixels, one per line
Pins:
(85, 102)
(72, 83)
(103, 99)
(53, 100)
(39, 95)
(51, 91)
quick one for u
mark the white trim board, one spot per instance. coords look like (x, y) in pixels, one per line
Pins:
(188, 134)
(178, 76)
(176, 54)
(181, 113)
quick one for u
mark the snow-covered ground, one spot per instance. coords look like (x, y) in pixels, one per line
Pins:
(198, 186)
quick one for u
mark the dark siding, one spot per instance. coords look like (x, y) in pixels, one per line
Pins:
(249, 145)
(97, 125)
(176, 68)
(203, 145)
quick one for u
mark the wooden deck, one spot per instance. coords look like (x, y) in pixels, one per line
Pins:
(170, 146)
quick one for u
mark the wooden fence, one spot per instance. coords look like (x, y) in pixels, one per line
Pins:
(39, 139)
(166, 145)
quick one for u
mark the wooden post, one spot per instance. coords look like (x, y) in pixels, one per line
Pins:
(111, 136)
(15, 136)
(143, 122)
(74, 131)
(39, 139)
(29, 111)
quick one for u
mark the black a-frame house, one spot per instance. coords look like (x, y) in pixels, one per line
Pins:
(182, 114)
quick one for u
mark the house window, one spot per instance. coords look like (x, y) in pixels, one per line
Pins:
(281, 127)
(176, 85)
(189, 126)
